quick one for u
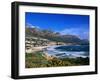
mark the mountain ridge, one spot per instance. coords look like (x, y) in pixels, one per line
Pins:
(55, 36)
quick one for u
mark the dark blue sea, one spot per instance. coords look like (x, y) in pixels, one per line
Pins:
(73, 48)
(69, 51)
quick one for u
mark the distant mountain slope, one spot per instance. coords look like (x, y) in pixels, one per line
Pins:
(50, 35)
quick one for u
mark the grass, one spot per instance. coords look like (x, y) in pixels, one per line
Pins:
(36, 60)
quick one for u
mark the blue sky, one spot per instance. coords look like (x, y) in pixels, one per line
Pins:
(62, 23)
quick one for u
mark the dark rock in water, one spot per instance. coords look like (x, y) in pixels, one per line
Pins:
(60, 54)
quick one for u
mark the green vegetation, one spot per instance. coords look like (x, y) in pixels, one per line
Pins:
(37, 60)
(77, 61)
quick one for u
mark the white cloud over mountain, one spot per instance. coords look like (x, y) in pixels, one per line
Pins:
(82, 33)
(31, 26)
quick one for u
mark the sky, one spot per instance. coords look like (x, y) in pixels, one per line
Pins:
(69, 24)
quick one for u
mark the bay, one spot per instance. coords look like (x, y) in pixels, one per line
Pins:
(68, 51)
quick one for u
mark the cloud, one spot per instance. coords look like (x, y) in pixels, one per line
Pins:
(80, 32)
(31, 26)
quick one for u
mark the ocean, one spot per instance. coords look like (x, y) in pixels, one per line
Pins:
(68, 51)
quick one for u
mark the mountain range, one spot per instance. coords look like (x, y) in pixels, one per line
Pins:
(55, 36)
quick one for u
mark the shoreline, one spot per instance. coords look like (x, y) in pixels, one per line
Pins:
(51, 52)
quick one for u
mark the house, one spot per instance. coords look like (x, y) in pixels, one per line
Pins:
(31, 42)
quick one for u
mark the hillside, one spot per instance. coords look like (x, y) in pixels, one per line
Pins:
(55, 36)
